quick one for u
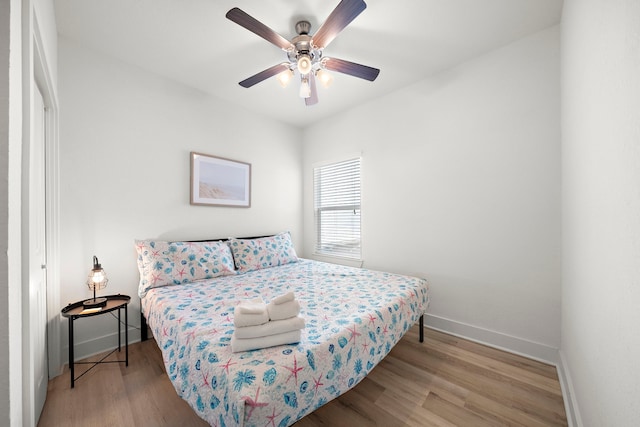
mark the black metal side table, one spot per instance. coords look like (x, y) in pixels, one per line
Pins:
(76, 311)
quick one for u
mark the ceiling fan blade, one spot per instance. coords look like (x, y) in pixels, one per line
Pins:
(313, 98)
(263, 75)
(252, 24)
(351, 68)
(345, 12)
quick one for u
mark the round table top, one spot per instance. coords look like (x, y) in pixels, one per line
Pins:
(114, 302)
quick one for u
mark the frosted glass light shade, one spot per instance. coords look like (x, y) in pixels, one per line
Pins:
(325, 78)
(304, 64)
(284, 78)
(305, 89)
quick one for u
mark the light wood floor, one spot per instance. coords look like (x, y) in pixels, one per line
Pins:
(445, 381)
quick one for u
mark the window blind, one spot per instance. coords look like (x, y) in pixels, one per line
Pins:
(337, 209)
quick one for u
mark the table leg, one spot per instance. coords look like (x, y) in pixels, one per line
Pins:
(119, 329)
(126, 334)
(71, 349)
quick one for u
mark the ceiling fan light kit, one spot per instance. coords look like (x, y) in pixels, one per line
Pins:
(304, 64)
(304, 52)
(285, 77)
(305, 88)
(325, 78)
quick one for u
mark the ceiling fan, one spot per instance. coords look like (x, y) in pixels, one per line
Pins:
(304, 52)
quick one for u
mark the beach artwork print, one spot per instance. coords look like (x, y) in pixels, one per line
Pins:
(220, 182)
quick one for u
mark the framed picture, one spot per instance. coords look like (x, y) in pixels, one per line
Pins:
(220, 182)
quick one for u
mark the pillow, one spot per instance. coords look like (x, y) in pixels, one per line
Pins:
(173, 263)
(264, 252)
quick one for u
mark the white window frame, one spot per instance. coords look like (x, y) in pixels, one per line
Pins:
(341, 239)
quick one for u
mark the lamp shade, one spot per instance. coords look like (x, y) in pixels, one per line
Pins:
(325, 78)
(305, 89)
(96, 280)
(304, 64)
(285, 77)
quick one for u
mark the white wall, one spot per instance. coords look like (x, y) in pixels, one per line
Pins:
(126, 135)
(461, 176)
(601, 208)
(45, 15)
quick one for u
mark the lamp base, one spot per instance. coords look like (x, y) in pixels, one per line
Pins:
(94, 302)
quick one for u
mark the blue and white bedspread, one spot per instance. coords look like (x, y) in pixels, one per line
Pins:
(353, 319)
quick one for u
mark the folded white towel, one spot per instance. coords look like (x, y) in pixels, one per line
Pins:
(270, 328)
(254, 306)
(284, 310)
(239, 344)
(281, 299)
(242, 320)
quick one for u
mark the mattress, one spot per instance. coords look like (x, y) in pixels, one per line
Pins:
(353, 318)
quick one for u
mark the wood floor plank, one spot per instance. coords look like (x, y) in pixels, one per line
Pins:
(530, 365)
(501, 414)
(444, 382)
(499, 367)
(434, 383)
(485, 382)
(410, 391)
(453, 413)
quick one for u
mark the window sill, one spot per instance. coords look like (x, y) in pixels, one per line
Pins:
(352, 262)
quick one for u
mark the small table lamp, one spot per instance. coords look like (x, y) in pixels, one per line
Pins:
(97, 280)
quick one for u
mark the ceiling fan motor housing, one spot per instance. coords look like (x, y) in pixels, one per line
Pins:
(303, 27)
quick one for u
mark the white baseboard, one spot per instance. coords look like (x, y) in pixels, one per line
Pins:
(570, 403)
(519, 346)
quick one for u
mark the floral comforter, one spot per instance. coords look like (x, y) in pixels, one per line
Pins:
(353, 319)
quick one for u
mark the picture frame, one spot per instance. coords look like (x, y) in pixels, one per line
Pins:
(217, 181)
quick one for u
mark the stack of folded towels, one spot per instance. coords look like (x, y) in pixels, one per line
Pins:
(260, 325)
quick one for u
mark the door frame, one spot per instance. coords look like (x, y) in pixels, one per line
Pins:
(36, 68)
(52, 205)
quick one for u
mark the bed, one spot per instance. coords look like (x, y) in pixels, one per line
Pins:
(353, 318)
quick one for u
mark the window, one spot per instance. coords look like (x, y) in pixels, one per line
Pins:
(336, 189)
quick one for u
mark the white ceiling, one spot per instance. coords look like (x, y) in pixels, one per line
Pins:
(191, 41)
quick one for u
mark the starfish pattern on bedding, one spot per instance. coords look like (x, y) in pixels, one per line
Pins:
(205, 379)
(272, 417)
(254, 403)
(294, 371)
(226, 365)
(317, 383)
(191, 334)
(372, 319)
(354, 334)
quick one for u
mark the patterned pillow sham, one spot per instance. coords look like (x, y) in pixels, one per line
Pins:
(264, 252)
(172, 263)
